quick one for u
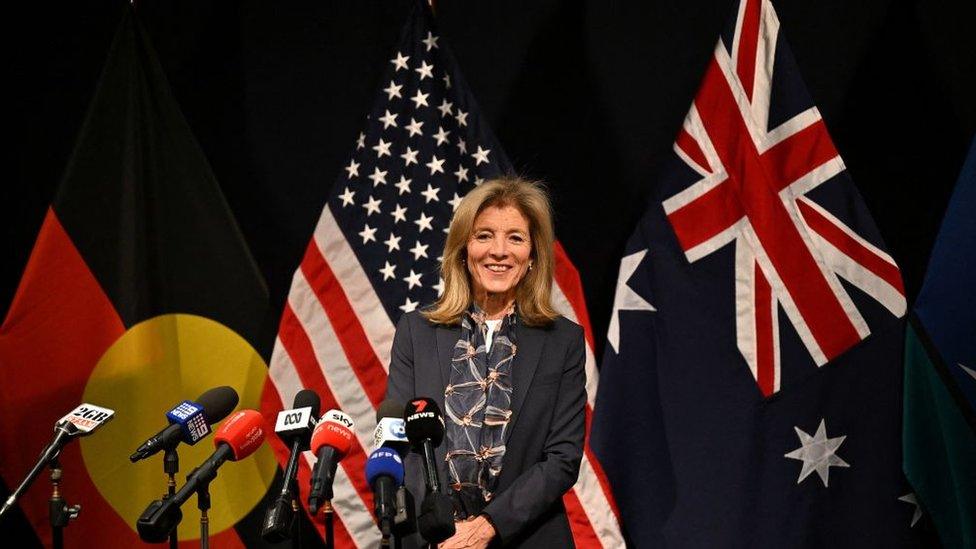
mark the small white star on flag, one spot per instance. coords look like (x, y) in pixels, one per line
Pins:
(818, 453)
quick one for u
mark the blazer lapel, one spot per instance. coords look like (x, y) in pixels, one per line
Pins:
(447, 337)
(529, 343)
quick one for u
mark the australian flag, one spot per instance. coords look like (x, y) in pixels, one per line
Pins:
(750, 394)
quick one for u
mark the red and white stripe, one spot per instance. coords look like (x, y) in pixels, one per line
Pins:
(790, 252)
(335, 338)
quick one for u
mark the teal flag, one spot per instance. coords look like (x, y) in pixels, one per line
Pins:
(940, 374)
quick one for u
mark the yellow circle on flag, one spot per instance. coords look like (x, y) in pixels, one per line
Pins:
(155, 365)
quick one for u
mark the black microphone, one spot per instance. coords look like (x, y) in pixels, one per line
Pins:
(236, 439)
(190, 421)
(424, 425)
(294, 427)
(81, 421)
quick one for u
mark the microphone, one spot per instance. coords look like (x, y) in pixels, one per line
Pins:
(190, 421)
(237, 438)
(390, 430)
(80, 422)
(425, 430)
(384, 472)
(331, 441)
(294, 427)
(424, 426)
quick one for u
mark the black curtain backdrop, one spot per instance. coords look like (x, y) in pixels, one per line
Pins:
(586, 95)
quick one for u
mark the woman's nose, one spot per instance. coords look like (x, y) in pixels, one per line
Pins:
(498, 248)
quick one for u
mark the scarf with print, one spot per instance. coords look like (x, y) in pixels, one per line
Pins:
(478, 404)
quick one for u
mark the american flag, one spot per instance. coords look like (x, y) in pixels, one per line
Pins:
(756, 334)
(375, 255)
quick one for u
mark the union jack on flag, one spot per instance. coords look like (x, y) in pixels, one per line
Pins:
(769, 179)
(374, 256)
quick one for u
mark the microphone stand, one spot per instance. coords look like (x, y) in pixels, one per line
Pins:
(171, 466)
(203, 503)
(329, 528)
(59, 513)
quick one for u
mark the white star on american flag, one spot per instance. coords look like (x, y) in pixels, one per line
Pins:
(481, 155)
(388, 119)
(388, 271)
(413, 279)
(392, 243)
(441, 136)
(461, 117)
(346, 197)
(401, 61)
(393, 90)
(430, 41)
(404, 184)
(445, 108)
(353, 169)
(461, 174)
(409, 157)
(430, 194)
(378, 177)
(368, 233)
(435, 165)
(409, 305)
(419, 250)
(425, 70)
(399, 214)
(414, 127)
(372, 206)
(423, 222)
(420, 99)
(382, 148)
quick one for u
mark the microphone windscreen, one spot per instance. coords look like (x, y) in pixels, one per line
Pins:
(389, 408)
(332, 434)
(217, 403)
(306, 398)
(243, 432)
(384, 461)
(423, 421)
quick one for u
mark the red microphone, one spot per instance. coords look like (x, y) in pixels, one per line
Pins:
(331, 441)
(235, 439)
(243, 433)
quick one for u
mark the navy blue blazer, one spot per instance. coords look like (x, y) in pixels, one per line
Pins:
(544, 443)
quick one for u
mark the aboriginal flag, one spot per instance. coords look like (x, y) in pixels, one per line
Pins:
(140, 292)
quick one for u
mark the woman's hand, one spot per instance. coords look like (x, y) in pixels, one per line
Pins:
(472, 533)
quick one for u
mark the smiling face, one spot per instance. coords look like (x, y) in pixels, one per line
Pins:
(499, 253)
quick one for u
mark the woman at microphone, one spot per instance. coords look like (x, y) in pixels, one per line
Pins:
(507, 370)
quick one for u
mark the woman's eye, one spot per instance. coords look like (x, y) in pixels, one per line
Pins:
(482, 236)
(517, 238)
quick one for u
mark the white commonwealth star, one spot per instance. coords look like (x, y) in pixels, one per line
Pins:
(625, 299)
(818, 453)
(910, 498)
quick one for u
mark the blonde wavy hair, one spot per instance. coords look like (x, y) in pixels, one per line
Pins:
(532, 295)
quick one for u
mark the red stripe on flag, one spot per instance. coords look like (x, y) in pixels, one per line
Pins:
(346, 324)
(765, 352)
(270, 406)
(690, 147)
(299, 348)
(851, 247)
(706, 216)
(748, 35)
(568, 280)
(583, 533)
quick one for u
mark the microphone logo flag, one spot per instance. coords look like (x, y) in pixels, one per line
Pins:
(189, 416)
(288, 420)
(88, 417)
